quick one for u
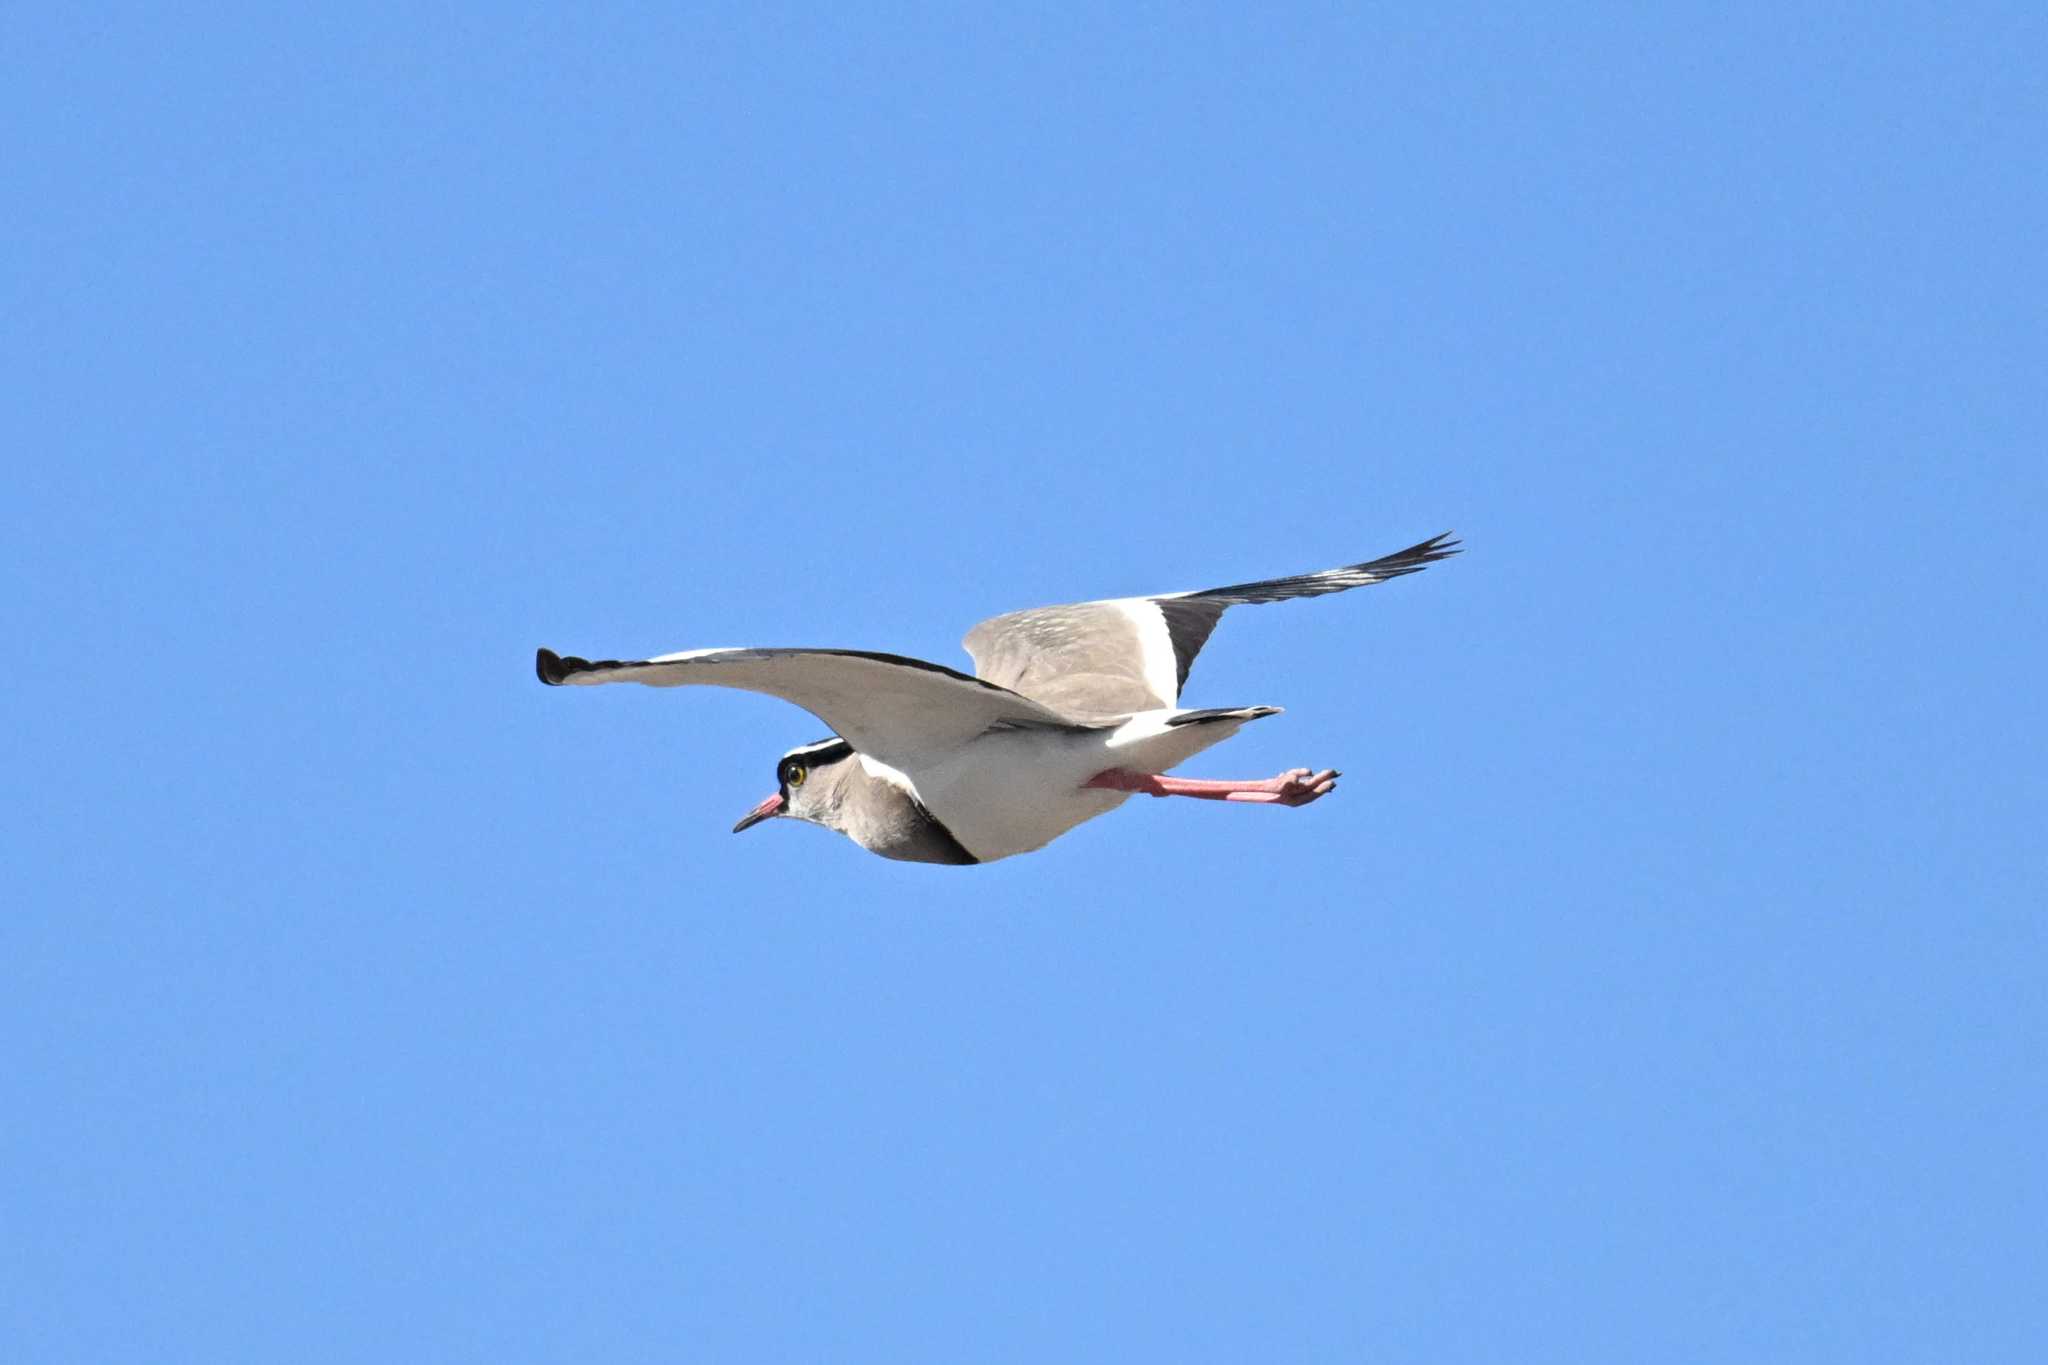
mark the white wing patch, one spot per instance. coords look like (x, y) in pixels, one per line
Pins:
(1155, 645)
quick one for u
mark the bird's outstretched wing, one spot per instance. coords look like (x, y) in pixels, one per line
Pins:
(1133, 653)
(901, 711)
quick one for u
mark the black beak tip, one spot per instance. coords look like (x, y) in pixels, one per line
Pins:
(756, 816)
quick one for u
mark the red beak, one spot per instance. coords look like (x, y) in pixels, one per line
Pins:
(772, 806)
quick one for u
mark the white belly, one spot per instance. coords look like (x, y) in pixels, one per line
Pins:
(1017, 790)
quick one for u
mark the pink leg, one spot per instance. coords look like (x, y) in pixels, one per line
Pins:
(1295, 787)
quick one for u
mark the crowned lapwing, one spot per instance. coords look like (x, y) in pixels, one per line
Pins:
(1071, 710)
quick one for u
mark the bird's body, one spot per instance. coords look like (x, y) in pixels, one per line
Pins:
(1017, 790)
(1073, 710)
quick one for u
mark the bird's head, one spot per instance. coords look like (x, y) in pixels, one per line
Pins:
(807, 785)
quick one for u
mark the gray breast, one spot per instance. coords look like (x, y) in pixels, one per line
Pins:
(883, 818)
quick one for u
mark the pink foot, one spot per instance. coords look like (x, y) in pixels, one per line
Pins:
(1295, 787)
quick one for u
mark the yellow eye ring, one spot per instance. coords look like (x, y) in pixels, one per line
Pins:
(797, 774)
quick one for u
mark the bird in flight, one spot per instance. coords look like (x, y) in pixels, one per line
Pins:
(1070, 711)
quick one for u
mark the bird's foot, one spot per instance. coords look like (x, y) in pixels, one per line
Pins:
(1295, 787)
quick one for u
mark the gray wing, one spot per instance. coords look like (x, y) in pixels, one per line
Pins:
(901, 711)
(1133, 653)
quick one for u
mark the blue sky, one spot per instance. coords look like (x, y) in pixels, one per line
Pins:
(1664, 982)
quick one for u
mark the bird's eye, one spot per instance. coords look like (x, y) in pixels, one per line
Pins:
(797, 774)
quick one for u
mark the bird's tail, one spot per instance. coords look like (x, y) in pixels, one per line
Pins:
(1211, 715)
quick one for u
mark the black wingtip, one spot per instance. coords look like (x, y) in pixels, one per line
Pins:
(552, 668)
(1416, 557)
(1440, 546)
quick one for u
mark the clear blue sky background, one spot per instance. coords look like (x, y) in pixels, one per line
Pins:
(1664, 983)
